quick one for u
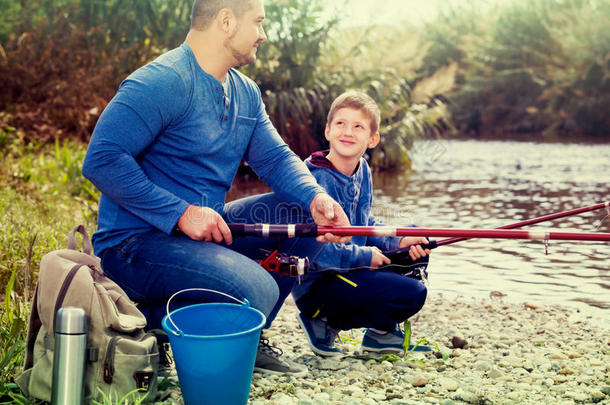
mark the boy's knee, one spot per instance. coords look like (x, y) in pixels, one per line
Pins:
(420, 296)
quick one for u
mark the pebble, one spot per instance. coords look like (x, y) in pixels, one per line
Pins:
(504, 360)
(483, 365)
(448, 384)
(419, 381)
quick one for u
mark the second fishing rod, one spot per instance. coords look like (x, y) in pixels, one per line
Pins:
(456, 235)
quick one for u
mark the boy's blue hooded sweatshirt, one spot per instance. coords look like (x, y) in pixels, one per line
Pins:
(355, 195)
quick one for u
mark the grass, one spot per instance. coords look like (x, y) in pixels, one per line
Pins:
(42, 196)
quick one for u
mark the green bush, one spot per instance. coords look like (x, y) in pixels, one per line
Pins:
(536, 66)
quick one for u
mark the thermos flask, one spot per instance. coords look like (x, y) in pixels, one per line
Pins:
(69, 357)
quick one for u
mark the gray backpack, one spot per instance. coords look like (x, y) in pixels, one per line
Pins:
(120, 356)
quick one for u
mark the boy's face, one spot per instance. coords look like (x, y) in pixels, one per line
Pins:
(349, 133)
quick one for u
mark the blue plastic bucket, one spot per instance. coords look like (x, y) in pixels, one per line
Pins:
(214, 347)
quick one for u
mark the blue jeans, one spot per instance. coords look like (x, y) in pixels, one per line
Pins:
(373, 299)
(152, 266)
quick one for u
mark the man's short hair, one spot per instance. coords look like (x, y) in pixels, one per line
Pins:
(358, 101)
(204, 11)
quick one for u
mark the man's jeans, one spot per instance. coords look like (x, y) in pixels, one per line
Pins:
(152, 266)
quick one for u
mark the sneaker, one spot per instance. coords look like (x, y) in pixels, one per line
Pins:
(166, 361)
(388, 342)
(321, 336)
(268, 361)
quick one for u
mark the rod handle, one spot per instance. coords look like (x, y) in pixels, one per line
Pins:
(403, 253)
(274, 231)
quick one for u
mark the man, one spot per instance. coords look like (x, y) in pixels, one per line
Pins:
(165, 151)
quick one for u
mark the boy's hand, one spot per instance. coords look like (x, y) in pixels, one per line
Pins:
(378, 259)
(327, 212)
(203, 223)
(416, 251)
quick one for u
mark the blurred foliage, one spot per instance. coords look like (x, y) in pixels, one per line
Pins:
(58, 80)
(308, 61)
(536, 67)
(62, 60)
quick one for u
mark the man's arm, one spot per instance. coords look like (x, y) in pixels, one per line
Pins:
(120, 135)
(279, 167)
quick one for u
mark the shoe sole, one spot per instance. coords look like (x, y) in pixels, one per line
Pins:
(383, 350)
(391, 350)
(317, 351)
(301, 373)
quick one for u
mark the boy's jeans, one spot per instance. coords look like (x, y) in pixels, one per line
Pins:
(152, 266)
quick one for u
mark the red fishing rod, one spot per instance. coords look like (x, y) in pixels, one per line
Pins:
(400, 256)
(313, 230)
(538, 220)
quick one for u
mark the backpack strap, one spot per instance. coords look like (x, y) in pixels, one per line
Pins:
(63, 291)
(33, 328)
(87, 248)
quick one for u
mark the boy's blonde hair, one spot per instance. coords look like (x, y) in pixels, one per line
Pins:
(358, 101)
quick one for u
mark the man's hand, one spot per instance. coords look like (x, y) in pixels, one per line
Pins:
(203, 223)
(378, 259)
(416, 251)
(327, 212)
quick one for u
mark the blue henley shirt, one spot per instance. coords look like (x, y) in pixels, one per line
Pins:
(173, 135)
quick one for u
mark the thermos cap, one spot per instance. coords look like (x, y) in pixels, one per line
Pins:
(71, 320)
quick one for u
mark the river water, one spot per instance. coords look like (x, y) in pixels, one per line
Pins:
(487, 184)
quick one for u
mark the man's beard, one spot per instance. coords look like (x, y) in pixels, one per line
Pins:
(241, 58)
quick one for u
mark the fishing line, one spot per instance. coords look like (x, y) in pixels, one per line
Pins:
(601, 221)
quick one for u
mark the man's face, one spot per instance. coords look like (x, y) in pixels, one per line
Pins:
(247, 35)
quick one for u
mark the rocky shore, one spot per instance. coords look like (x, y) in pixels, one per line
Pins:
(485, 352)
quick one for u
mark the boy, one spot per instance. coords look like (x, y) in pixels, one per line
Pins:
(347, 292)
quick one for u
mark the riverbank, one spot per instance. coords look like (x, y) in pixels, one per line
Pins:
(514, 354)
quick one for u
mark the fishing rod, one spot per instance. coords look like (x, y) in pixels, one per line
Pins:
(538, 220)
(400, 256)
(312, 230)
(504, 232)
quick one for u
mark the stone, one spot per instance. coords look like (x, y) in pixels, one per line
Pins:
(597, 396)
(328, 364)
(419, 381)
(483, 365)
(495, 373)
(448, 384)
(458, 342)
(322, 396)
(577, 396)
(280, 398)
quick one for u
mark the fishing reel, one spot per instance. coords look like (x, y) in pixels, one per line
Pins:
(403, 264)
(284, 265)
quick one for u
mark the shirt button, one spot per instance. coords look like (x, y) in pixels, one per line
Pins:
(227, 105)
(226, 117)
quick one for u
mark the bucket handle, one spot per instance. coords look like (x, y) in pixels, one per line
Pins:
(179, 332)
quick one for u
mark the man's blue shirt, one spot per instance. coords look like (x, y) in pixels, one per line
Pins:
(173, 135)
